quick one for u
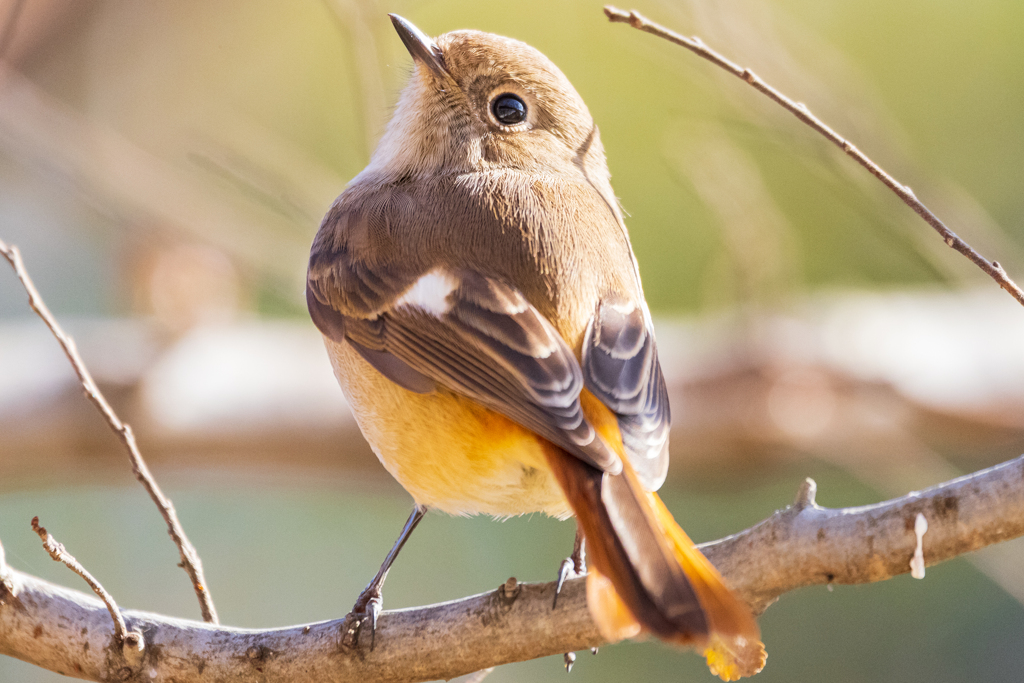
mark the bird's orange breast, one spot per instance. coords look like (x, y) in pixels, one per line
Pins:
(448, 452)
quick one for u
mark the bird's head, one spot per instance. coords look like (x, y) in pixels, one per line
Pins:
(476, 102)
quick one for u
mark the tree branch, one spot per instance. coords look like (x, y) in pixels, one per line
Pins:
(190, 561)
(806, 545)
(800, 110)
(131, 644)
(801, 545)
(60, 554)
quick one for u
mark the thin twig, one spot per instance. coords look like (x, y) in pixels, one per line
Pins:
(800, 110)
(801, 545)
(59, 553)
(190, 561)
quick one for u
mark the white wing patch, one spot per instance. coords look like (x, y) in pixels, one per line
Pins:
(430, 293)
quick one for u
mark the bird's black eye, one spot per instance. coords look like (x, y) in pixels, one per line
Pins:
(509, 109)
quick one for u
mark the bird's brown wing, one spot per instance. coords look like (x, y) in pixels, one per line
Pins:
(621, 368)
(483, 340)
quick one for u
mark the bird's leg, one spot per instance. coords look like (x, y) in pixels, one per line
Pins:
(371, 601)
(575, 564)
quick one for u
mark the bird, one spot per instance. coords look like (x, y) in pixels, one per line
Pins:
(483, 312)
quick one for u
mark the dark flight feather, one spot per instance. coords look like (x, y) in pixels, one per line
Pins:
(621, 368)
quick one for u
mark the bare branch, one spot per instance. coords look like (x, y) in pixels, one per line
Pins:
(806, 545)
(60, 554)
(801, 545)
(190, 561)
(800, 110)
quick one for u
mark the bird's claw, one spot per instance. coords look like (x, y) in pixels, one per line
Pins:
(367, 608)
(575, 565)
(567, 569)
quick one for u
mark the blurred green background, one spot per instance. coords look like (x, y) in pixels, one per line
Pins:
(169, 162)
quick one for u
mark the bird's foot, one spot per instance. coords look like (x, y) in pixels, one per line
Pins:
(367, 609)
(564, 571)
(574, 565)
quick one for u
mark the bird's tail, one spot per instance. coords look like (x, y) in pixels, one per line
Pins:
(645, 574)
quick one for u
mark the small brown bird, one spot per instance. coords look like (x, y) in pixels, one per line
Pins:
(482, 308)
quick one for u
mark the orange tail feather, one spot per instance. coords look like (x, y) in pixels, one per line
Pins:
(647, 575)
(613, 618)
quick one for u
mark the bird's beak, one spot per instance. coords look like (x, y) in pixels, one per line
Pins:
(419, 45)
